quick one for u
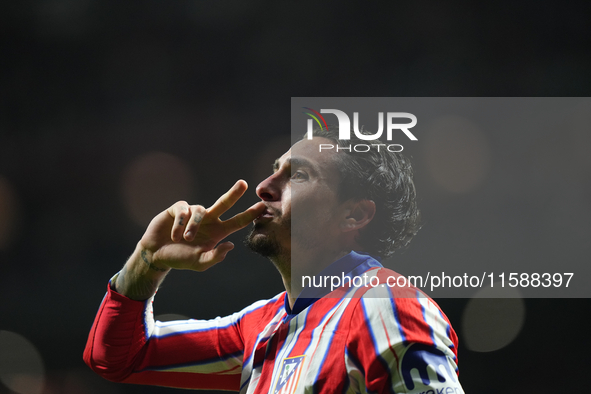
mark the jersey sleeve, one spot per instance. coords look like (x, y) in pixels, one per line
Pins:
(125, 344)
(401, 345)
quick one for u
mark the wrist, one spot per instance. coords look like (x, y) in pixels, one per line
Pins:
(140, 277)
(147, 258)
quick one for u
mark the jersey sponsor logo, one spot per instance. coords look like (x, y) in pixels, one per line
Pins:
(431, 364)
(289, 375)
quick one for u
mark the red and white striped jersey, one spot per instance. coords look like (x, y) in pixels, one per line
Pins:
(354, 340)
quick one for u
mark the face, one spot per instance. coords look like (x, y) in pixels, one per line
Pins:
(303, 211)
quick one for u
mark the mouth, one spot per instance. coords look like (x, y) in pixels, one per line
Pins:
(266, 215)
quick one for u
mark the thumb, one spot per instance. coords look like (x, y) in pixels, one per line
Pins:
(222, 250)
(216, 255)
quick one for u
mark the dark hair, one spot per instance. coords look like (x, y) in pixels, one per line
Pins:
(385, 178)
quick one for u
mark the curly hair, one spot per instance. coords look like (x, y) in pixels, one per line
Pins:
(384, 177)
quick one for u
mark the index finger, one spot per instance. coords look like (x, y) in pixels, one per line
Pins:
(228, 199)
(243, 219)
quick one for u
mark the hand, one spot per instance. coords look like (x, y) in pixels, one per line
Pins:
(188, 236)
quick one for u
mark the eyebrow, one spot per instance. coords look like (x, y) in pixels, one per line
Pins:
(295, 162)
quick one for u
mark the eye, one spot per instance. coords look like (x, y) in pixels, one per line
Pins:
(298, 175)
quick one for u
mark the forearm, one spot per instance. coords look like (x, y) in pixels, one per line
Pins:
(126, 345)
(140, 277)
(117, 336)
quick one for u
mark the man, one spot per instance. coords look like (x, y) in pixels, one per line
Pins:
(323, 214)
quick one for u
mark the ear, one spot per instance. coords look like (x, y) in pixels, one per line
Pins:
(359, 214)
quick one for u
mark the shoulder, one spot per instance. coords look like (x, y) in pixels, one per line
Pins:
(262, 310)
(396, 330)
(403, 312)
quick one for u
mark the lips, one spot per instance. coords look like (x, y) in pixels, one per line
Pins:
(267, 214)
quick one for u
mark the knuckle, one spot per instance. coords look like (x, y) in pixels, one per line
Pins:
(180, 207)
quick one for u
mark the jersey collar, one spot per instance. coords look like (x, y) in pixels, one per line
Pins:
(351, 265)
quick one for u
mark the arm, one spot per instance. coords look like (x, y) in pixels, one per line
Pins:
(126, 345)
(183, 237)
(402, 345)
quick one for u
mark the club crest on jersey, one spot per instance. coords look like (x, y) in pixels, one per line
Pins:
(289, 374)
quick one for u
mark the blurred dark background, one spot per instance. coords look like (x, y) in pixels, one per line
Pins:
(111, 111)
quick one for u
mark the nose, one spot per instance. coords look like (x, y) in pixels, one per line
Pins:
(270, 188)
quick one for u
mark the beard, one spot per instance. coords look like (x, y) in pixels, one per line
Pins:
(263, 244)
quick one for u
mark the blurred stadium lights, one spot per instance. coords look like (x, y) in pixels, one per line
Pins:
(153, 182)
(8, 213)
(493, 318)
(21, 366)
(457, 154)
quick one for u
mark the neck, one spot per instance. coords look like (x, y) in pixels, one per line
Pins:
(304, 263)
